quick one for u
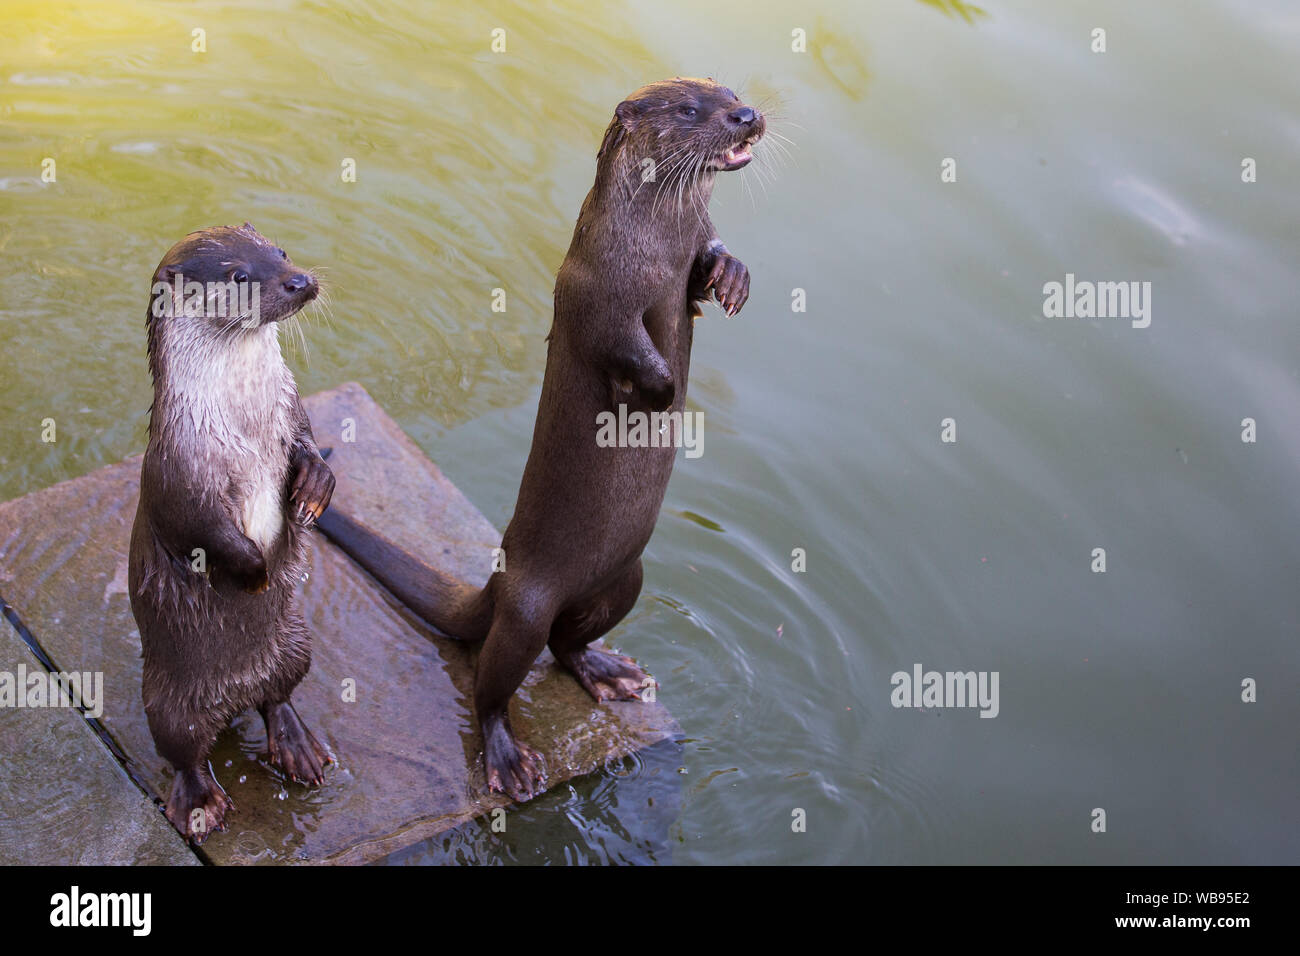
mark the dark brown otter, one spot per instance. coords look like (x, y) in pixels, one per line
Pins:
(643, 255)
(231, 482)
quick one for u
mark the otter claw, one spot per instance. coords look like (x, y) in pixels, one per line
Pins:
(729, 280)
(313, 487)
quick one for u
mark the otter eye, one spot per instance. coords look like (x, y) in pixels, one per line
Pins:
(689, 111)
(283, 254)
(240, 276)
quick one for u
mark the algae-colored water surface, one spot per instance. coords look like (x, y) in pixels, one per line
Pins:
(899, 398)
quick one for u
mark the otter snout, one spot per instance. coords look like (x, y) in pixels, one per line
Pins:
(302, 282)
(749, 126)
(743, 116)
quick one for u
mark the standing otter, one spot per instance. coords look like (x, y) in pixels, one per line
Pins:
(230, 483)
(643, 255)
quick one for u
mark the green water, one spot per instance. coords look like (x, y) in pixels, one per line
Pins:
(1119, 691)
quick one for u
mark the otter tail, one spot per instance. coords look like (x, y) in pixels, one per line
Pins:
(453, 607)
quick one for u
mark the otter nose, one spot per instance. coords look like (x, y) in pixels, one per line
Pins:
(742, 115)
(299, 282)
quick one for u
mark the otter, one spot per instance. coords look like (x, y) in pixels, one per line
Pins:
(231, 483)
(644, 254)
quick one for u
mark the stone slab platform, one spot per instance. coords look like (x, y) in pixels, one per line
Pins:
(408, 749)
(64, 799)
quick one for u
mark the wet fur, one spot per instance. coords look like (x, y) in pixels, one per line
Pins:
(626, 298)
(227, 438)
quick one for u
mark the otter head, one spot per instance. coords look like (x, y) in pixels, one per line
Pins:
(229, 279)
(689, 128)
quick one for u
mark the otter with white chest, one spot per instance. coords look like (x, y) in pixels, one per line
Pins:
(644, 254)
(231, 483)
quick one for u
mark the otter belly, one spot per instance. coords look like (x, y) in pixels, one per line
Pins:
(262, 517)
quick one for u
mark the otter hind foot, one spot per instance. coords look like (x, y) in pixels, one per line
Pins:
(513, 768)
(292, 747)
(608, 676)
(197, 804)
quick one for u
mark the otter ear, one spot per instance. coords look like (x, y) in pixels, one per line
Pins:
(628, 112)
(166, 273)
(625, 119)
(249, 226)
(614, 135)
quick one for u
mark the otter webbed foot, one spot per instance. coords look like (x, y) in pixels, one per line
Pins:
(291, 745)
(607, 676)
(513, 768)
(313, 486)
(197, 804)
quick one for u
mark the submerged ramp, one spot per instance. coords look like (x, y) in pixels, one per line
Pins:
(388, 697)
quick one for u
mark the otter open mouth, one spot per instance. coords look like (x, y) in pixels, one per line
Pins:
(736, 157)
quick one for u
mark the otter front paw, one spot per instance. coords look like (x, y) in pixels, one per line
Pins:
(313, 486)
(729, 280)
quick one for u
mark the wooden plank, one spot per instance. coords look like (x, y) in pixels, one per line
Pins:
(409, 751)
